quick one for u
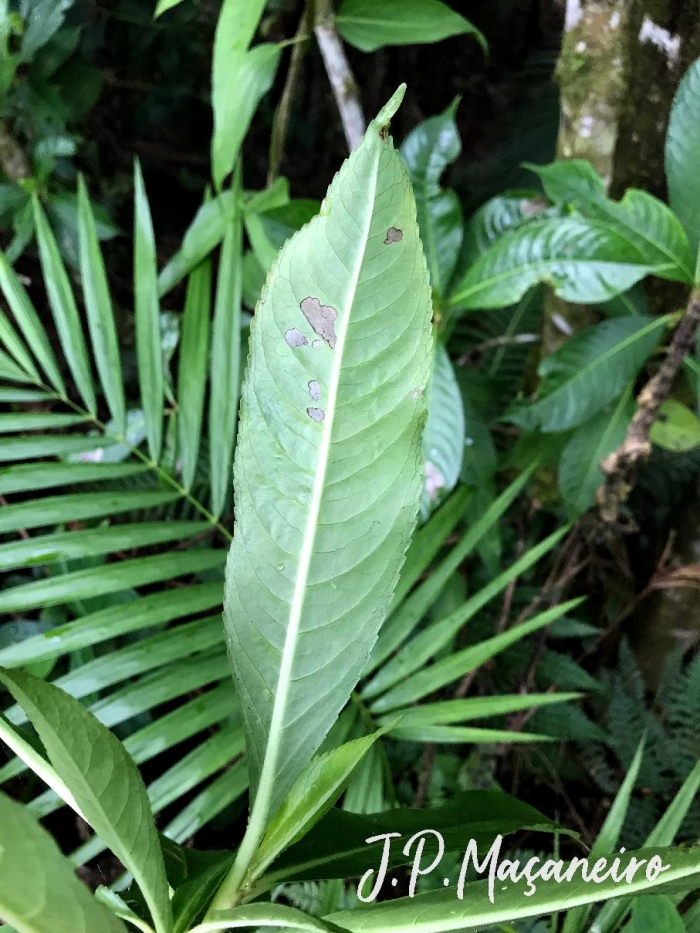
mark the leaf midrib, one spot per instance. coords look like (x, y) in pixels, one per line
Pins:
(269, 769)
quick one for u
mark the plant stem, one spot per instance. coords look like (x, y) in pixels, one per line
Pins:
(621, 465)
(281, 121)
(345, 89)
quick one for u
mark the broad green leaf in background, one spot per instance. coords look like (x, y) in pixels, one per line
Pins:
(580, 475)
(427, 151)
(328, 464)
(147, 318)
(100, 313)
(336, 846)
(588, 372)
(642, 219)
(240, 78)
(584, 261)
(683, 158)
(495, 218)
(656, 912)
(676, 427)
(39, 892)
(443, 438)
(442, 912)
(371, 24)
(104, 781)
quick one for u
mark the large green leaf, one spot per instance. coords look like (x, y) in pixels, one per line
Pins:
(39, 892)
(584, 261)
(371, 24)
(588, 372)
(427, 151)
(103, 780)
(683, 158)
(639, 217)
(580, 475)
(444, 912)
(328, 460)
(443, 438)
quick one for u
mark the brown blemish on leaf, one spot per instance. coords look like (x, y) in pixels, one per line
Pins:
(384, 133)
(314, 390)
(321, 318)
(316, 414)
(393, 235)
(316, 344)
(295, 338)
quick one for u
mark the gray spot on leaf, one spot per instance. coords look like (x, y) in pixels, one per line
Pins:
(314, 390)
(393, 235)
(316, 414)
(295, 338)
(316, 344)
(321, 318)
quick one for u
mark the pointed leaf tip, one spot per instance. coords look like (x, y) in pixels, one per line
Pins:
(390, 107)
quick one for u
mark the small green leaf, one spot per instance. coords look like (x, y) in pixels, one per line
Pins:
(656, 912)
(682, 157)
(588, 372)
(164, 5)
(103, 780)
(240, 78)
(202, 236)
(39, 892)
(580, 475)
(147, 315)
(676, 427)
(372, 24)
(427, 151)
(316, 790)
(262, 916)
